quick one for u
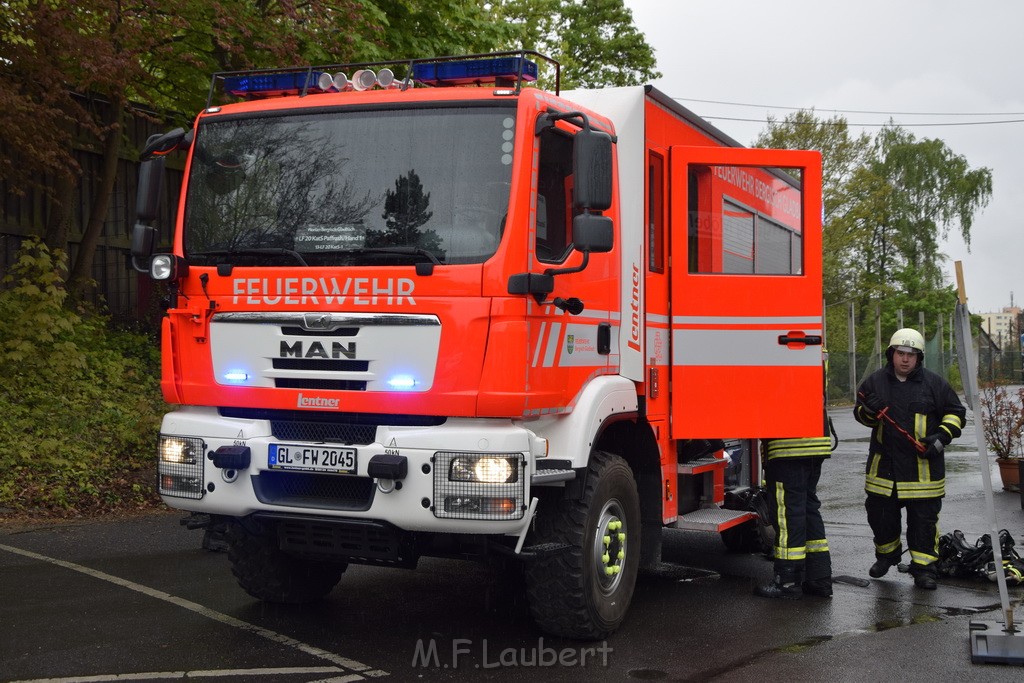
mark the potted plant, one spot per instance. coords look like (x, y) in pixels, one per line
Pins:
(1002, 410)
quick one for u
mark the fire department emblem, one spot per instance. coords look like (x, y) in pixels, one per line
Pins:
(570, 339)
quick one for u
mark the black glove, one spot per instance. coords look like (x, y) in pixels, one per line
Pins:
(935, 443)
(872, 403)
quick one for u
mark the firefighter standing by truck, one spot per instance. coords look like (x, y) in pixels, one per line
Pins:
(914, 413)
(802, 561)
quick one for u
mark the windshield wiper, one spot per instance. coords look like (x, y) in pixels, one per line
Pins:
(401, 251)
(257, 251)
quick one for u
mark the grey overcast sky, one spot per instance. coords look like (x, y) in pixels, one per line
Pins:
(907, 57)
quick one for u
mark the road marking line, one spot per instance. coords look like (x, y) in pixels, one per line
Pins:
(204, 611)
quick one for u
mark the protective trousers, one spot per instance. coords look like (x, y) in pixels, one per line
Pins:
(884, 517)
(800, 542)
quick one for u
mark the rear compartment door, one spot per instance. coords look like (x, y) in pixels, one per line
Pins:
(746, 295)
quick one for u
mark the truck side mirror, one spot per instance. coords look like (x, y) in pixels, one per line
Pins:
(143, 237)
(150, 189)
(592, 233)
(147, 208)
(592, 169)
(165, 143)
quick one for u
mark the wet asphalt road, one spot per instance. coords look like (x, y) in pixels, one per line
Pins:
(139, 599)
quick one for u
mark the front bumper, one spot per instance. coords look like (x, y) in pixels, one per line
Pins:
(426, 499)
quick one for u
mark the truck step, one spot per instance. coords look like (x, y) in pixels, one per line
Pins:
(701, 465)
(542, 477)
(712, 519)
(542, 550)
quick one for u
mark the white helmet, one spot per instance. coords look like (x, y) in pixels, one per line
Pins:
(909, 338)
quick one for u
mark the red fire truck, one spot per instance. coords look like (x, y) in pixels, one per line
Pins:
(452, 314)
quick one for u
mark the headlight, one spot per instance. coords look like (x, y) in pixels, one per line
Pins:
(167, 267)
(176, 450)
(484, 469)
(180, 466)
(482, 486)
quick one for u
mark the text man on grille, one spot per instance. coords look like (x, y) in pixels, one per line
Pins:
(914, 413)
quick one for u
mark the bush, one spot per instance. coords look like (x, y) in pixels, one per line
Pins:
(1003, 414)
(81, 402)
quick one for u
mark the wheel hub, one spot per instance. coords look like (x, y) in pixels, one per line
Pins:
(610, 547)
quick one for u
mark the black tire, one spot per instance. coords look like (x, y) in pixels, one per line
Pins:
(267, 573)
(584, 592)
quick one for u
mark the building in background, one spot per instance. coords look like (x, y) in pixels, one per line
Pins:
(1003, 326)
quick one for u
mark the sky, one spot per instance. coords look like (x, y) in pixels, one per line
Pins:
(919, 61)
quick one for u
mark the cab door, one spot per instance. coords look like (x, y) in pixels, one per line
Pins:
(746, 294)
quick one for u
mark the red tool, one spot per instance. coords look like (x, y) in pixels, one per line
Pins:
(884, 414)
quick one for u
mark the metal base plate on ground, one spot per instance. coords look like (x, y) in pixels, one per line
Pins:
(992, 644)
(678, 572)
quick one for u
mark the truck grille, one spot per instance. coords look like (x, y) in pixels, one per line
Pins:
(324, 432)
(341, 428)
(322, 491)
(324, 384)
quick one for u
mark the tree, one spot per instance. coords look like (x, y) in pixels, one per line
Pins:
(594, 41)
(405, 212)
(112, 59)
(931, 190)
(889, 201)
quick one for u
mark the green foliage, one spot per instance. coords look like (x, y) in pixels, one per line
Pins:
(81, 402)
(889, 201)
(595, 41)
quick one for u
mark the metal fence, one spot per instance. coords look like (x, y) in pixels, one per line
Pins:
(856, 348)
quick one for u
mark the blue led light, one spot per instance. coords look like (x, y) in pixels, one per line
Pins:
(402, 382)
(236, 376)
(273, 84)
(473, 71)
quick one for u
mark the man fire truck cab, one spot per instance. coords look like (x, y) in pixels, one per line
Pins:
(455, 315)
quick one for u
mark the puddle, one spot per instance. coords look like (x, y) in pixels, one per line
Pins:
(888, 624)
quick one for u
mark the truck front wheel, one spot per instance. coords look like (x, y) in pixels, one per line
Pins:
(584, 591)
(267, 573)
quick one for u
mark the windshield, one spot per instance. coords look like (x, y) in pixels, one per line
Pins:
(350, 187)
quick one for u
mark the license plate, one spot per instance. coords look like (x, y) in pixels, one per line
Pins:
(335, 460)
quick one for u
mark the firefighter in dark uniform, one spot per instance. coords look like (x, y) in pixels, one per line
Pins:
(914, 413)
(802, 561)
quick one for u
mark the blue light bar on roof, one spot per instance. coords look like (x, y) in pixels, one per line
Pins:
(474, 71)
(273, 84)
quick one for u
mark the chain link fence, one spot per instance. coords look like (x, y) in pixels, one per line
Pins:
(856, 348)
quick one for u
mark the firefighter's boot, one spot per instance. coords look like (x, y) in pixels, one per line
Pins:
(786, 586)
(881, 567)
(924, 576)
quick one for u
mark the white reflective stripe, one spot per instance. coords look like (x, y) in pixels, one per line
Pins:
(552, 346)
(653, 319)
(739, 348)
(786, 321)
(540, 344)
